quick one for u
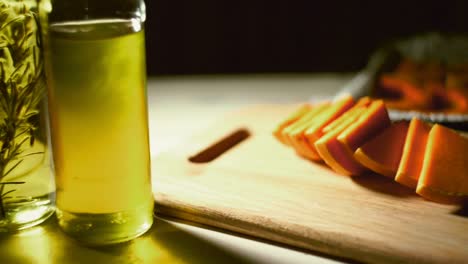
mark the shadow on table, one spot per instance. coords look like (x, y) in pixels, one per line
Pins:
(163, 243)
(190, 248)
(462, 210)
(382, 184)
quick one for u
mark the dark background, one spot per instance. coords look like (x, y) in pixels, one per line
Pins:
(229, 36)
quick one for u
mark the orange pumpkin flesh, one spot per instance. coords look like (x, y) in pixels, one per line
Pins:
(314, 131)
(382, 153)
(296, 115)
(297, 137)
(333, 153)
(363, 102)
(432, 160)
(328, 147)
(301, 123)
(291, 133)
(445, 99)
(412, 157)
(407, 91)
(444, 175)
(459, 99)
(368, 125)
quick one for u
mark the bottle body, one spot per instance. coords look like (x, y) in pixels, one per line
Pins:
(98, 113)
(26, 179)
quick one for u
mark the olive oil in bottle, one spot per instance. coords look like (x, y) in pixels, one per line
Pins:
(99, 125)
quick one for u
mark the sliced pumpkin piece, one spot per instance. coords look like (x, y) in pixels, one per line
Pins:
(367, 126)
(396, 89)
(444, 175)
(295, 116)
(382, 154)
(412, 157)
(301, 122)
(447, 100)
(335, 155)
(458, 99)
(314, 131)
(299, 127)
(363, 102)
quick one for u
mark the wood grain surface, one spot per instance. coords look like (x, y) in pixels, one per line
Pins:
(263, 189)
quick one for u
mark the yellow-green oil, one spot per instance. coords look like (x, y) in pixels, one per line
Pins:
(97, 99)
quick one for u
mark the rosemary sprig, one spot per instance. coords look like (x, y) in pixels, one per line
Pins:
(21, 88)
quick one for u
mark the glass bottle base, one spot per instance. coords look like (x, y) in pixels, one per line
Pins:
(104, 229)
(25, 213)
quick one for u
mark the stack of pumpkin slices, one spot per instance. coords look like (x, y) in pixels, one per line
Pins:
(355, 137)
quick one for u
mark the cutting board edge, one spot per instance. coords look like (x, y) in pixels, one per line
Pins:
(348, 248)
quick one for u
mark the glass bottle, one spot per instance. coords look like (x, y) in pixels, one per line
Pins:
(96, 72)
(26, 180)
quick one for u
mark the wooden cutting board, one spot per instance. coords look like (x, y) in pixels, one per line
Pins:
(261, 188)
